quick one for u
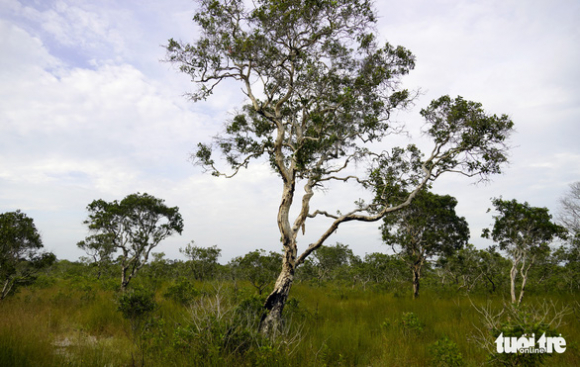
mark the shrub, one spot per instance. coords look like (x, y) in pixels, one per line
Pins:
(517, 321)
(182, 291)
(135, 305)
(446, 353)
(409, 322)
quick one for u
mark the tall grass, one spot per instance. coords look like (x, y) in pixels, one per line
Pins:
(64, 325)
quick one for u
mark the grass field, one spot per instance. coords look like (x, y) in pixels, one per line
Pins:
(66, 325)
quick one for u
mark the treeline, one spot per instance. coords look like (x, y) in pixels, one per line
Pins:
(429, 241)
(467, 271)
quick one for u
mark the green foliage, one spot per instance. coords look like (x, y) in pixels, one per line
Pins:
(258, 268)
(466, 123)
(520, 227)
(330, 263)
(524, 232)
(136, 304)
(202, 263)
(181, 291)
(223, 333)
(470, 269)
(446, 353)
(520, 321)
(20, 259)
(410, 322)
(386, 272)
(323, 329)
(427, 227)
(133, 226)
(100, 248)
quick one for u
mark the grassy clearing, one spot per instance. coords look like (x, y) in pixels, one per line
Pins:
(64, 326)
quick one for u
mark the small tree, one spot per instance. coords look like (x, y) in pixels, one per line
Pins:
(20, 259)
(470, 267)
(202, 263)
(100, 248)
(524, 232)
(258, 268)
(385, 270)
(569, 217)
(426, 228)
(569, 214)
(331, 262)
(134, 226)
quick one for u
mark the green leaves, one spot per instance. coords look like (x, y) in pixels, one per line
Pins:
(18, 233)
(521, 226)
(324, 84)
(463, 127)
(428, 226)
(133, 226)
(19, 257)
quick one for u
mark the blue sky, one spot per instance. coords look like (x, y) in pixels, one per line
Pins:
(88, 111)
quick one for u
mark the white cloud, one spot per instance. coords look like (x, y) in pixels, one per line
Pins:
(72, 132)
(76, 24)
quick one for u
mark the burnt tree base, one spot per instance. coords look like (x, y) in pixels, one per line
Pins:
(271, 321)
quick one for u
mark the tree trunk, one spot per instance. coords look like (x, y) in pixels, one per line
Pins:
(416, 280)
(6, 289)
(271, 320)
(513, 275)
(124, 280)
(489, 279)
(524, 272)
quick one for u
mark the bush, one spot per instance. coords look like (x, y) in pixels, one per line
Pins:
(182, 291)
(446, 353)
(409, 322)
(517, 321)
(135, 305)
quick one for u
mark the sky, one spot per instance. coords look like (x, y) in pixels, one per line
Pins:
(89, 111)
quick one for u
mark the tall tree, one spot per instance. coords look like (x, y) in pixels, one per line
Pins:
(427, 227)
(320, 88)
(525, 233)
(20, 258)
(134, 226)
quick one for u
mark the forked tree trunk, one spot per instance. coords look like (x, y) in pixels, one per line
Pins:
(272, 319)
(524, 272)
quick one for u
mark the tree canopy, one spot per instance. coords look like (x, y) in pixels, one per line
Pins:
(20, 258)
(525, 233)
(202, 263)
(427, 227)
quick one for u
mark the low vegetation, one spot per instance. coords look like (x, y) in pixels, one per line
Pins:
(69, 317)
